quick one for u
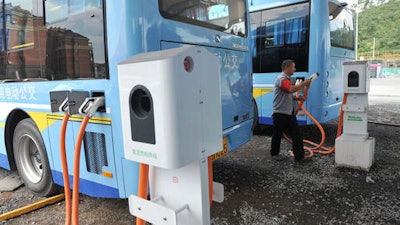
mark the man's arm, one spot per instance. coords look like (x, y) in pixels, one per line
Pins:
(294, 88)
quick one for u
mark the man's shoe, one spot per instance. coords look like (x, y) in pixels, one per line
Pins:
(303, 160)
(278, 157)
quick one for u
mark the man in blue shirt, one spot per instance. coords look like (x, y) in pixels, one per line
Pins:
(283, 115)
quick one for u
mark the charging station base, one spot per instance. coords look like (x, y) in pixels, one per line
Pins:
(178, 196)
(354, 151)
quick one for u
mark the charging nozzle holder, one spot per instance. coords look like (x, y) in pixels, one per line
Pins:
(59, 101)
(76, 102)
(67, 101)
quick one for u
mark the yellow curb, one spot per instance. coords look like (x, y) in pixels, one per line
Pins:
(32, 207)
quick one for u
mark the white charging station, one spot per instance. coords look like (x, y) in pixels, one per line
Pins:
(354, 148)
(172, 121)
(171, 106)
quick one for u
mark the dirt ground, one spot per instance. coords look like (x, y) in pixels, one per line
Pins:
(260, 191)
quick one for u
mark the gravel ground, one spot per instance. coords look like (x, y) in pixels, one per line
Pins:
(261, 191)
(310, 193)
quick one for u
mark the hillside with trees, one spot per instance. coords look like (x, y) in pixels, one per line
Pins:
(382, 23)
(365, 4)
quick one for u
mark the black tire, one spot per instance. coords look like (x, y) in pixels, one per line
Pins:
(31, 159)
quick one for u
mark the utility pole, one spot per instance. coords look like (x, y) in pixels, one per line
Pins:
(356, 42)
(358, 10)
(373, 49)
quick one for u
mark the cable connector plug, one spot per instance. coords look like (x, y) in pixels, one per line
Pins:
(91, 105)
(313, 76)
(64, 106)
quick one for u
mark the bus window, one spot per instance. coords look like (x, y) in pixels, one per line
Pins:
(275, 33)
(76, 6)
(18, 42)
(75, 39)
(341, 27)
(255, 20)
(56, 10)
(2, 54)
(2, 27)
(222, 15)
(19, 25)
(281, 33)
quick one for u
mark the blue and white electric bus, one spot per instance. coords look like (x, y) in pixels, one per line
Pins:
(57, 45)
(318, 35)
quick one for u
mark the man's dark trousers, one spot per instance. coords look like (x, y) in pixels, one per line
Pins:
(287, 123)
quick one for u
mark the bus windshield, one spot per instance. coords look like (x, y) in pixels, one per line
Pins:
(222, 15)
(342, 27)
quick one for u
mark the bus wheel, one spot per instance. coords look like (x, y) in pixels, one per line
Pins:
(31, 159)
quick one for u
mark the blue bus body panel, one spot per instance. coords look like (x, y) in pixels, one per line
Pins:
(233, 102)
(38, 108)
(4, 161)
(235, 61)
(91, 188)
(125, 39)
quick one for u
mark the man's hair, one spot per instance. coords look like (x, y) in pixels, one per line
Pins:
(286, 63)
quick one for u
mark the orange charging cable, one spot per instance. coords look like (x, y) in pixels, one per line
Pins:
(63, 154)
(143, 187)
(210, 179)
(75, 193)
(318, 148)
